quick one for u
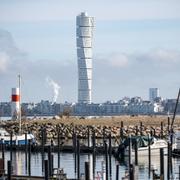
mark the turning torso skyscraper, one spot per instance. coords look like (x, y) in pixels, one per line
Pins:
(84, 33)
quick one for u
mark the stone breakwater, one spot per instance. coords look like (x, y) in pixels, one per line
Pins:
(101, 128)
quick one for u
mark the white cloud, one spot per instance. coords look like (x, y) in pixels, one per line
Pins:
(157, 58)
(118, 60)
(152, 58)
(114, 60)
(165, 56)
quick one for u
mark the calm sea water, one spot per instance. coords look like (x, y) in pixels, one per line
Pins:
(67, 163)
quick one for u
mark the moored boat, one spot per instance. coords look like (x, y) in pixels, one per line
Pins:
(143, 146)
(17, 139)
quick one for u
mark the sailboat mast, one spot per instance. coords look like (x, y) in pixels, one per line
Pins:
(19, 80)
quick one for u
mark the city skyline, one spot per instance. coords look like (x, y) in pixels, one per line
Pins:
(135, 47)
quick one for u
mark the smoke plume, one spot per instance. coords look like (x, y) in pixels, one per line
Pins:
(55, 87)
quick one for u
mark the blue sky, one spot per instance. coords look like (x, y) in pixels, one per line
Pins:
(135, 46)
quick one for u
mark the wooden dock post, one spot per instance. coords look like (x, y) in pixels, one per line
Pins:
(168, 161)
(9, 165)
(42, 146)
(78, 159)
(75, 150)
(162, 163)
(46, 177)
(103, 135)
(154, 132)
(11, 145)
(110, 155)
(26, 151)
(136, 153)
(122, 124)
(121, 132)
(94, 151)
(50, 161)
(106, 154)
(136, 130)
(131, 172)
(29, 157)
(59, 140)
(149, 155)
(168, 125)
(162, 130)
(117, 171)
(130, 149)
(45, 135)
(2, 148)
(88, 136)
(151, 133)
(87, 172)
(141, 130)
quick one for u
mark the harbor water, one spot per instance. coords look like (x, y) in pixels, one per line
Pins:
(67, 163)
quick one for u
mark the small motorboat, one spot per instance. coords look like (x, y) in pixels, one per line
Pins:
(143, 145)
(17, 139)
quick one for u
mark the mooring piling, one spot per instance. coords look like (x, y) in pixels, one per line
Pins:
(87, 171)
(26, 151)
(117, 171)
(121, 131)
(29, 157)
(168, 161)
(162, 163)
(131, 172)
(9, 165)
(162, 129)
(106, 157)
(78, 159)
(110, 156)
(149, 155)
(88, 136)
(130, 149)
(94, 151)
(75, 150)
(11, 134)
(136, 152)
(141, 128)
(50, 161)
(46, 176)
(137, 130)
(59, 140)
(2, 148)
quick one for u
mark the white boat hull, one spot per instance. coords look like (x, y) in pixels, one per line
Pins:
(155, 149)
(17, 139)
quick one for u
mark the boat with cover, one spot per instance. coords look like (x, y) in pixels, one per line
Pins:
(142, 145)
(17, 139)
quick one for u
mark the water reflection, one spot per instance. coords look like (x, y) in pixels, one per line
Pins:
(67, 163)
